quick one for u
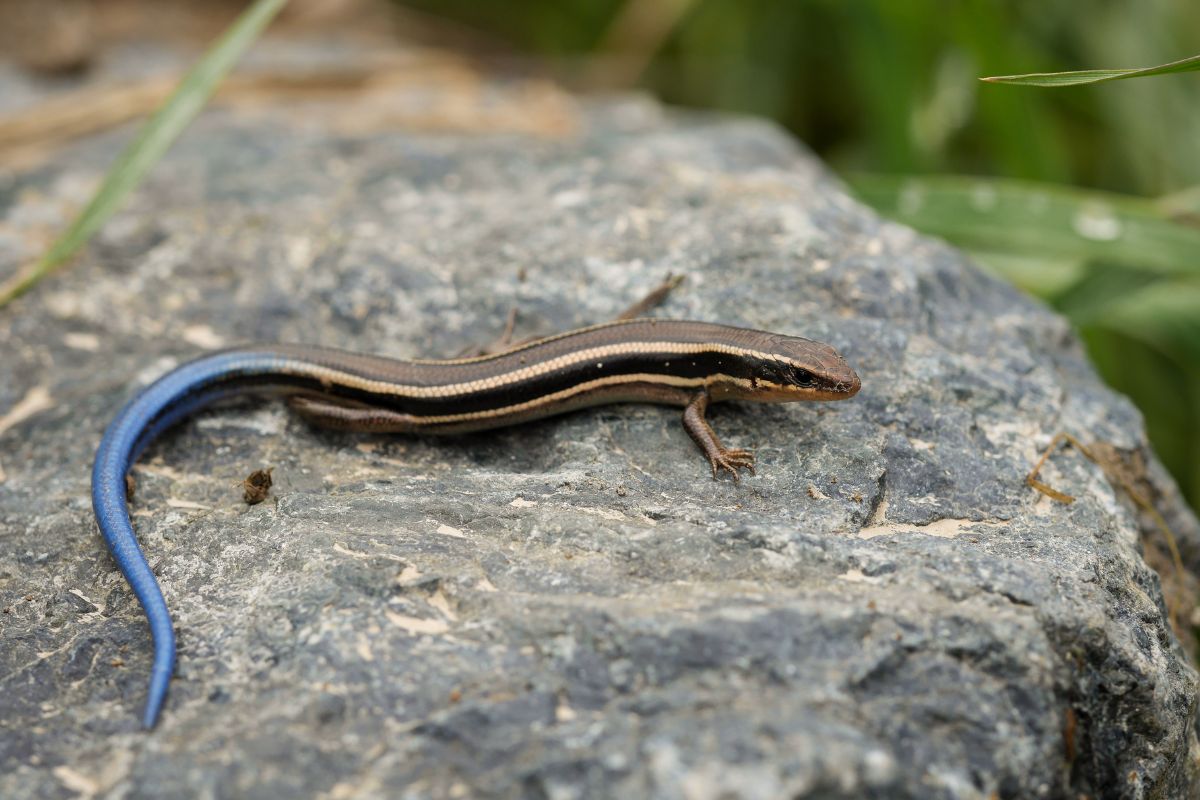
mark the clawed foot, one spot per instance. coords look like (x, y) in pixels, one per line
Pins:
(732, 460)
(719, 456)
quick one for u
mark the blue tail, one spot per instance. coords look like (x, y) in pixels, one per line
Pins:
(112, 514)
(162, 404)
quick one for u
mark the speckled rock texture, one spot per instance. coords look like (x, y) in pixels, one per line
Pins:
(572, 608)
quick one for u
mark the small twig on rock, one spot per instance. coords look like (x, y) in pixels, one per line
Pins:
(1129, 473)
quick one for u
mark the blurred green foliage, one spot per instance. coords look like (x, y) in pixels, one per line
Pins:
(1092, 194)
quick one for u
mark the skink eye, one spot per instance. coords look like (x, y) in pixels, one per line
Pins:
(802, 377)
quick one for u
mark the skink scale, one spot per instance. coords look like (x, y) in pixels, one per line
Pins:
(688, 364)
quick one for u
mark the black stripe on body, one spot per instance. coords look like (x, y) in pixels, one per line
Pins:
(431, 373)
(697, 366)
(680, 354)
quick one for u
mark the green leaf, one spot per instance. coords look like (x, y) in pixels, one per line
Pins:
(152, 142)
(1040, 221)
(1094, 75)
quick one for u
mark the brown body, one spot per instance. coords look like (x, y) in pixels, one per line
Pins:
(669, 362)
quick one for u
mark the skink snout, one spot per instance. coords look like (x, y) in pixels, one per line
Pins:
(848, 382)
(834, 379)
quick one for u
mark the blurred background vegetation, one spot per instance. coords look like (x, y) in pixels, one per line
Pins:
(1088, 197)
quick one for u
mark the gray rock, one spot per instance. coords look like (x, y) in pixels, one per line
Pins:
(572, 608)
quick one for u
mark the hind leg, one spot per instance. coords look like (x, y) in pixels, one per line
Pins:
(335, 413)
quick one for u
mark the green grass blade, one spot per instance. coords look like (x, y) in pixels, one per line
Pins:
(152, 142)
(1165, 313)
(1044, 277)
(1043, 221)
(1094, 75)
(1182, 205)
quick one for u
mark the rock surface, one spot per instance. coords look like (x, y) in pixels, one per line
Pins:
(572, 608)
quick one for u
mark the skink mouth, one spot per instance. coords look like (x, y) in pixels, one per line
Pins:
(844, 388)
(850, 386)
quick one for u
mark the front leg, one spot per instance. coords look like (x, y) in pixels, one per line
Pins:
(719, 456)
(638, 309)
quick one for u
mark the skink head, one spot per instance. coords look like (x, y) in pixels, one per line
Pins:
(789, 369)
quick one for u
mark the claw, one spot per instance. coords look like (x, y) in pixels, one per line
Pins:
(731, 461)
